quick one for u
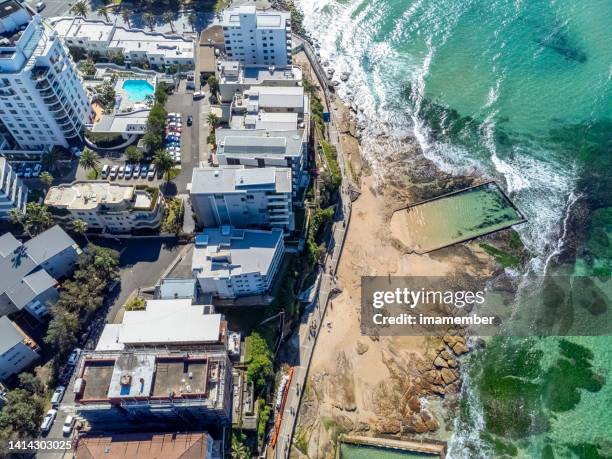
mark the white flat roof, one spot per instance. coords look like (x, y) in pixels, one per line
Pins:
(109, 339)
(170, 321)
(88, 195)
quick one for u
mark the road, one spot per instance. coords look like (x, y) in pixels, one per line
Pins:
(314, 315)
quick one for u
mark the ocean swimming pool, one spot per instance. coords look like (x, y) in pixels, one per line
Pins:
(137, 90)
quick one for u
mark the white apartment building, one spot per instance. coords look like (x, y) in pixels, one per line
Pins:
(110, 207)
(13, 192)
(265, 148)
(136, 45)
(257, 37)
(233, 195)
(17, 350)
(230, 262)
(235, 78)
(278, 108)
(42, 101)
(172, 323)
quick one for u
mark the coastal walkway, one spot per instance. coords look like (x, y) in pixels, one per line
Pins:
(315, 313)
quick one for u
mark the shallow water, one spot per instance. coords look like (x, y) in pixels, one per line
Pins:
(350, 451)
(458, 217)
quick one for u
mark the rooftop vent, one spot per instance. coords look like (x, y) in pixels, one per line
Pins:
(125, 380)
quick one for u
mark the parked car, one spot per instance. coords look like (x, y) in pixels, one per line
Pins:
(177, 158)
(189, 120)
(19, 170)
(68, 425)
(143, 171)
(48, 420)
(151, 173)
(57, 396)
(113, 172)
(65, 375)
(128, 171)
(36, 170)
(73, 358)
(136, 170)
(40, 6)
(198, 95)
(27, 173)
(174, 115)
(105, 170)
(121, 171)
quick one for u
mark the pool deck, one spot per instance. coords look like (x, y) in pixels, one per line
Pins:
(437, 449)
(126, 103)
(522, 218)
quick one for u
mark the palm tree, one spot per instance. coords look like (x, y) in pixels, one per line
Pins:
(102, 11)
(149, 20)
(164, 163)
(213, 120)
(89, 160)
(37, 218)
(125, 15)
(16, 216)
(46, 178)
(79, 9)
(80, 227)
(168, 17)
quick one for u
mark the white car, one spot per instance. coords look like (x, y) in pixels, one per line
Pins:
(113, 172)
(57, 396)
(128, 171)
(68, 425)
(151, 173)
(73, 358)
(27, 173)
(121, 171)
(48, 420)
(37, 169)
(177, 158)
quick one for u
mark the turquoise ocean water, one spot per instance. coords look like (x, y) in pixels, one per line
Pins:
(522, 91)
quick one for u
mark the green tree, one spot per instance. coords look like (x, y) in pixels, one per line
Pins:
(31, 383)
(213, 120)
(259, 367)
(89, 160)
(152, 141)
(149, 20)
(46, 178)
(125, 15)
(37, 218)
(88, 67)
(168, 18)
(62, 332)
(80, 227)
(164, 163)
(116, 57)
(106, 95)
(105, 261)
(16, 216)
(79, 9)
(213, 84)
(22, 414)
(134, 154)
(161, 93)
(102, 11)
(240, 450)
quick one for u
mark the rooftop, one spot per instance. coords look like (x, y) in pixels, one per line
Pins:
(24, 259)
(222, 252)
(171, 322)
(88, 195)
(9, 335)
(237, 179)
(23, 292)
(147, 374)
(259, 142)
(130, 40)
(265, 19)
(169, 288)
(193, 445)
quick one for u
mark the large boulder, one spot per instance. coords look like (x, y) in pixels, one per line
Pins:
(448, 376)
(460, 348)
(440, 362)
